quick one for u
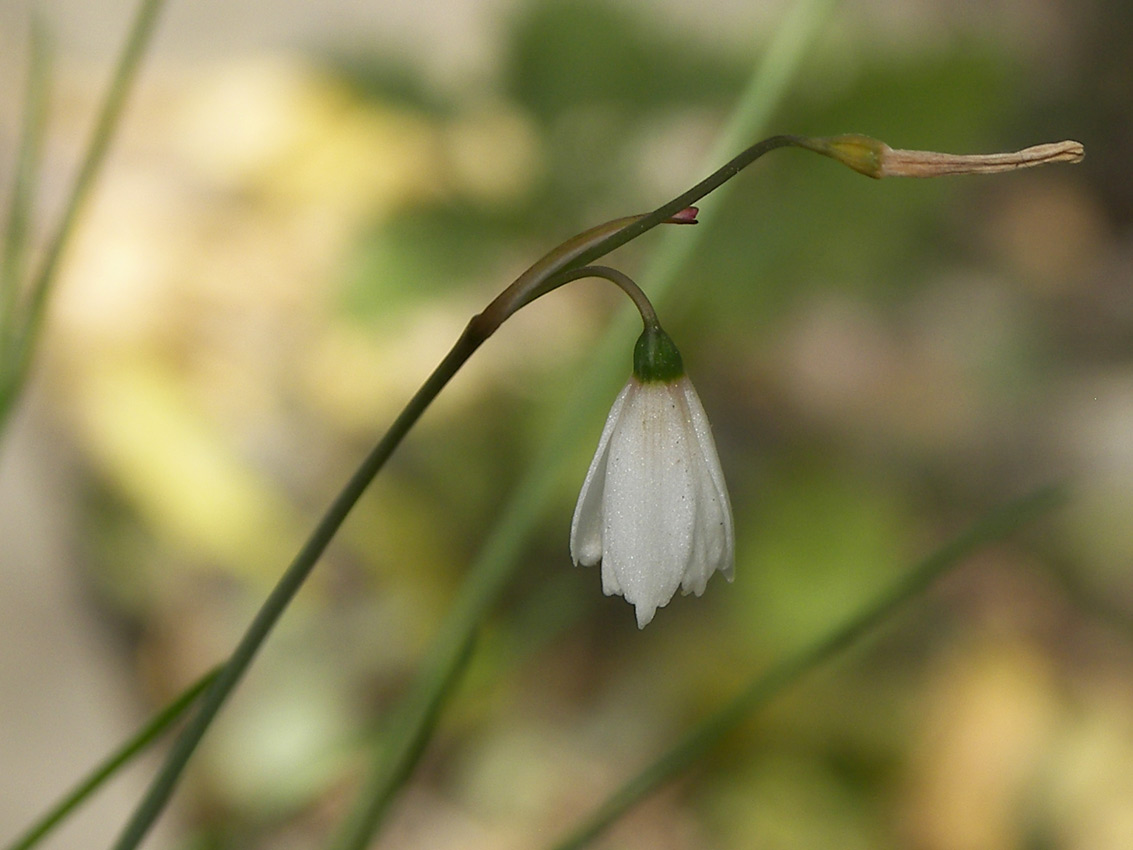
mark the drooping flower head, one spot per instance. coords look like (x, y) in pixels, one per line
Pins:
(654, 508)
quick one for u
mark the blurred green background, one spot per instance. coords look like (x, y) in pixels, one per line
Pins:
(302, 211)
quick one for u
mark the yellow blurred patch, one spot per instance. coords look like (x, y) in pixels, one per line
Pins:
(174, 467)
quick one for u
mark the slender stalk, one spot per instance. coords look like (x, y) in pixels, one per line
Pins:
(137, 744)
(767, 686)
(555, 268)
(621, 280)
(109, 117)
(479, 328)
(686, 199)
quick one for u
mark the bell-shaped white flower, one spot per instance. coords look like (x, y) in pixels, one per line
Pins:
(654, 508)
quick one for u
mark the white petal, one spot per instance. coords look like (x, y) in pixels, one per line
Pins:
(650, 500)
(714, 537)
(586, 526)
(654, 508)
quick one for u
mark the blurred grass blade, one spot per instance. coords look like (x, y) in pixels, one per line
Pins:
(22, 201)
(779, 64)
(994, 526)
(106, 123)
(113, 763)
(573, 418)
(406, 738)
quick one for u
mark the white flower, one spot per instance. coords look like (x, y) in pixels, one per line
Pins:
(654, 509)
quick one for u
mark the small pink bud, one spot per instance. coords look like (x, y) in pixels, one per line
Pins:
(685, 216)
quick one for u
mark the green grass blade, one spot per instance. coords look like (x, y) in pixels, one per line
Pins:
(408, 736)
(498, 559)
(112, 764)
(22, 201)
(778, 66)
(994, 526)
(106, 123)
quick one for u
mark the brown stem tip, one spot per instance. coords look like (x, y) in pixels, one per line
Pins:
(876, 159)
(900, 163)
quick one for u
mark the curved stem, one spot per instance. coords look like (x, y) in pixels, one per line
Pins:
(544, 276)
(686, 199)
(623, 281)
(548, 271)
(601, 240)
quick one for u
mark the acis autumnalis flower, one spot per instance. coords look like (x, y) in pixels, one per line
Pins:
(654, 508)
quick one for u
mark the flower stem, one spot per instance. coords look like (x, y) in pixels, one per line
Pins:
(623, 281)
(770, 684)
(550, 270)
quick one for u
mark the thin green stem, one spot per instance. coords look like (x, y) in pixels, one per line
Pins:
(686, 199)
(767, 686)
(621, 280)
(107, 122)
(22, 202)
(478, 330)
(112, 764)
(160, 790)
(591, 245)
(577, 251)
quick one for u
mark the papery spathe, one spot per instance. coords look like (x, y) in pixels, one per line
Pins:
(654, 508)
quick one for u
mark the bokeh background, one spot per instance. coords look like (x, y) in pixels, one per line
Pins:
(305, 204)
